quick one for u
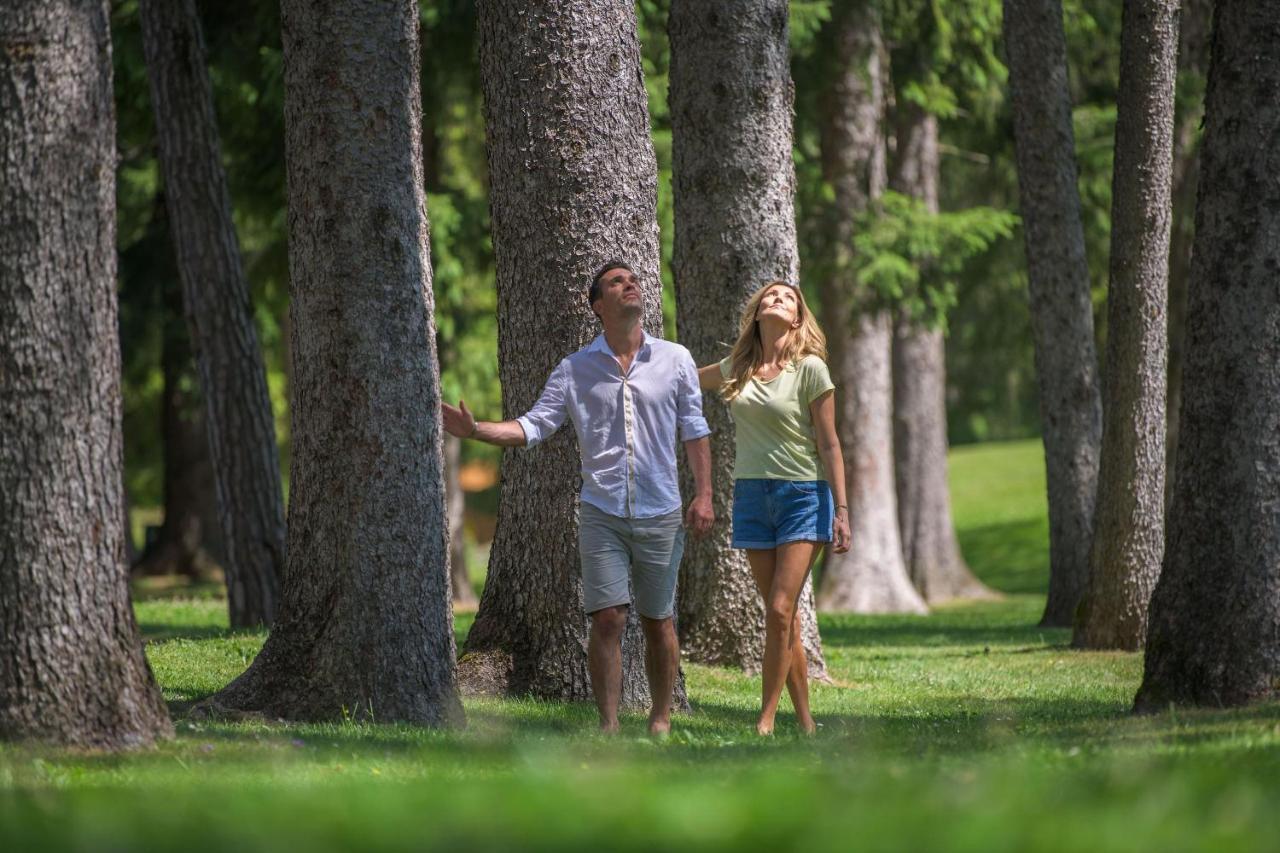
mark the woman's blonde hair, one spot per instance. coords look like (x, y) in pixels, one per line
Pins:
(748, 351)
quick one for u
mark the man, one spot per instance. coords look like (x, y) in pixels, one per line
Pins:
(627, 394)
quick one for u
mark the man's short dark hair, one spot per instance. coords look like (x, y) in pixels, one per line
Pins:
(593, 293)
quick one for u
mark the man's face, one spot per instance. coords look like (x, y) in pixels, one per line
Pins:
(619, 294)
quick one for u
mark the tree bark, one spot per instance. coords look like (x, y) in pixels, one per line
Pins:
(1193, 60)
(1215, 614)
(930, 549)
(1128, 538)
(190, 539)
(871, 577)
(1058, 286)
(365, 628)
(241, 432)
(72, 669)
(574, 184)
(733, 185)
(464, 596)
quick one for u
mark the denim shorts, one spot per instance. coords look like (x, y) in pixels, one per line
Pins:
(769, 513)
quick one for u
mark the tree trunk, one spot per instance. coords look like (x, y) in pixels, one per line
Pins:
(233, 379)
(190, 539)
(733, 184)
(1193, 59)
(871, 577)
(1128, 538)
(190, 506)
(1058, 285)
(1215, 614)
(72, 670)
(930, 549)
(464, 596)
(364, 628)
(574, 184)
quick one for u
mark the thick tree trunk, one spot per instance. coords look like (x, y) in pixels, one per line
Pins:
(364, 628)
(1215, 614)
(464, 596)
(574, 184)
(233, 377)
(72, 670)
(930, 549)
(733, 184)
(1058, 283)
(1128, 537)
(1193, 60)
(871, 577)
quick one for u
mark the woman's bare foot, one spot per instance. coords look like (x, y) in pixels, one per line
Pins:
(659, 726)
(608, 727)
(807, 725)
(764, 729)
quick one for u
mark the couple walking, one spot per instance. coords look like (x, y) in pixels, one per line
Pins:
(628, 394)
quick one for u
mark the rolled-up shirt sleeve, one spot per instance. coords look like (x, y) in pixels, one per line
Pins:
(689, 402)
(549, 413)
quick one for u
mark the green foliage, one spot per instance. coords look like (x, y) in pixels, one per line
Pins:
(911, 256)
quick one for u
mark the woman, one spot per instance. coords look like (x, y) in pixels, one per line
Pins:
(787, 465)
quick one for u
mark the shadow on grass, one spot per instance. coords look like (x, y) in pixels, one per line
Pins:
(938, 631)
(1012, 557)
(159, 632)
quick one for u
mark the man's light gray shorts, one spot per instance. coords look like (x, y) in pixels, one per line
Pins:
(611, 548)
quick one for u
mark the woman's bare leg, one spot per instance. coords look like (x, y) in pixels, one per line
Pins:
(780, 575)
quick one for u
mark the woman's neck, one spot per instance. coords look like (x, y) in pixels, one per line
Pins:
(772, 341)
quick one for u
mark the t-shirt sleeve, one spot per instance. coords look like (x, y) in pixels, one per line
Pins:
(726, 364)
(815, 379)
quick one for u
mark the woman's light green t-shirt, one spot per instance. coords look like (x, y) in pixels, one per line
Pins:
(773, 429)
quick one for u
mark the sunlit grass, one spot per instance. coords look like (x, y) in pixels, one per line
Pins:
(967, 729)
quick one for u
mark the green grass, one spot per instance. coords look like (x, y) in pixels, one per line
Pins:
(966, 729)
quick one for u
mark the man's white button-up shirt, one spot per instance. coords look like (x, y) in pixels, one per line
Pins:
(626, 423)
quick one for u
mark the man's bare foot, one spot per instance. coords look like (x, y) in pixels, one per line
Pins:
(659, 726)
(608, 727)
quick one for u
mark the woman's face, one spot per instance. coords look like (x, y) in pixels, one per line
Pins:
(780, 302)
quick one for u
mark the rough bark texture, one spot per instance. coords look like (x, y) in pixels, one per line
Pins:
(233, 378)
(72, 670)
(1193, 62)
(464, 596)
(364, 628)
(871, 577)
(1058, 283)
(733, 185)
(574, 184)
(930, 549)
(1128, 538)
(1215, 614)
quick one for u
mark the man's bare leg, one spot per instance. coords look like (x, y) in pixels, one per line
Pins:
(661, 663)
(604, 661)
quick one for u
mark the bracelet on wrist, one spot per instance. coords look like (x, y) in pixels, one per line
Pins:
(475, 428)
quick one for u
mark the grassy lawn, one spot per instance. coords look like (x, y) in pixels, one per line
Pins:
(966, 729)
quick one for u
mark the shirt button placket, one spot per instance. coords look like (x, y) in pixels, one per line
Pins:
(626, 413)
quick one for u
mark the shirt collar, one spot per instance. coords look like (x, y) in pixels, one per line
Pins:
(601, 345)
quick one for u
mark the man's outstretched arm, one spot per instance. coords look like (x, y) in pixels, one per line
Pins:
(459, 421)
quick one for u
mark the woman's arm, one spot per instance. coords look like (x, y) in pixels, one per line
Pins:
(823, 412)
(709, 378)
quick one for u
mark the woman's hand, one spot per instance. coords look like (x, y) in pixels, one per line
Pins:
(842, 535)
